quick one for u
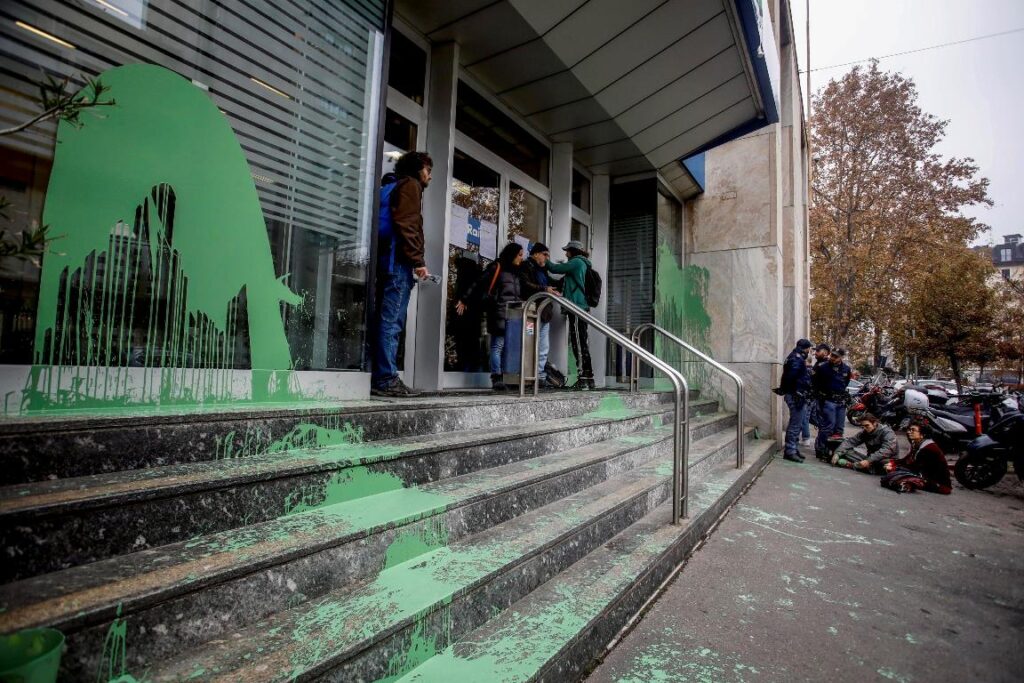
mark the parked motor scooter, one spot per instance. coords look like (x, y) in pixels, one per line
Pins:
(871, 401)
(984, 464)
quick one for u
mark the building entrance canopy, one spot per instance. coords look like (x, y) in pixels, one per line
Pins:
(633, 86)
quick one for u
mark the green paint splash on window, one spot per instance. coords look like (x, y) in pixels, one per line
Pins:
(164, 263)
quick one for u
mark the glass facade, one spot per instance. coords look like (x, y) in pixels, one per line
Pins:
(160, 278)
(492, 128)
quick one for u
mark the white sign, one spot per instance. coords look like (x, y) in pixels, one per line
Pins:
(458, 225)
(524, 242)
(488, 240)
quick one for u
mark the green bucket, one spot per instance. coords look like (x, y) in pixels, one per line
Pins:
(31, 656)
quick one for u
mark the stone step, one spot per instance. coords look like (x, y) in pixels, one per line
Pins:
(190, 592)
(47, 526)
(354, 633)
(66, 445)
(559, 630)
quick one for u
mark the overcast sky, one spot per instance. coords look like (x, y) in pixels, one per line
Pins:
(978, 86)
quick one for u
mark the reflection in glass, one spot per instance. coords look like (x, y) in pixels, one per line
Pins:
(307, 140)
(580, 191)
(527, 217)
(473, 244)
(581, 232)
(492, 128)
(407, 67)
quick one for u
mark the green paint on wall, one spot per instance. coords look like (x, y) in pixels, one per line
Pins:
(164, 261)
(680, 298)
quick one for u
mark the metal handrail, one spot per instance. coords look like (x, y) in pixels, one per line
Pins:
(680, 425)
(634, 377)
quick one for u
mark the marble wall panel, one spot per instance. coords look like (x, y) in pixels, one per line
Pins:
(757, 305)
(735, 209)
(789, 326)
(719, 303)
(762, 407)
(790, 242)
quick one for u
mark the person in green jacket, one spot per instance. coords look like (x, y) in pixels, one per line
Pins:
(574, 268)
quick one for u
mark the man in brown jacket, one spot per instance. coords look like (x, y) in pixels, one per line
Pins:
(400, 264)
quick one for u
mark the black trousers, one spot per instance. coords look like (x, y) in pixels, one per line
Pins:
(580, 346)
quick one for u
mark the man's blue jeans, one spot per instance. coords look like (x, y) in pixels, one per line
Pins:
(497, 351)
(394, 304)
(542, 352)
(797, 410)
(828, 411)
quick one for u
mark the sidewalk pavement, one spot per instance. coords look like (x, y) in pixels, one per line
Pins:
(820, 574)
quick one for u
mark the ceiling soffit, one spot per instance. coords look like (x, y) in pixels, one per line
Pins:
(633, 85)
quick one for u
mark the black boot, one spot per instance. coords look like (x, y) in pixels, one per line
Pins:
(583, 384)
(497, 384)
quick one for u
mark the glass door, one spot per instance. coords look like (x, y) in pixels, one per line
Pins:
(473, 244)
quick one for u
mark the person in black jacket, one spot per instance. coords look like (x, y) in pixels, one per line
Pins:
(829, 383)
(498, 285)
(795, 387)
(533, 279)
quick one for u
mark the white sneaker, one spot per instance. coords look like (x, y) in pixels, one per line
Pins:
(805, 442)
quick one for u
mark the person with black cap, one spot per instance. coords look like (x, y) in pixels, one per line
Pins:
(830, 382)
(574, 268)
(795, 386)
(533, 279)
(821, 352)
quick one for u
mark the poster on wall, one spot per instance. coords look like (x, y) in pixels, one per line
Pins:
(524, 242)
(488, 240)
(458, 226)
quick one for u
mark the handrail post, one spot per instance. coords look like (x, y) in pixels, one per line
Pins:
(740, 387)
(680, 426)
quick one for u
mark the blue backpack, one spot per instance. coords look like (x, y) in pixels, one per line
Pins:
(386, 229)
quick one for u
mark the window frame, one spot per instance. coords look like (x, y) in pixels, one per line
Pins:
(507, 173)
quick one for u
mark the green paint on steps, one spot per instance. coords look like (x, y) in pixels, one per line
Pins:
(164, 263)
(114, 661)
(411, 543)
(419, 647)
(304, 436)
(610, 407)
(680, 298)
(349, 484)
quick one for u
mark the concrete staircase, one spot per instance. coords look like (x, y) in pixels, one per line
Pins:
(475, 537)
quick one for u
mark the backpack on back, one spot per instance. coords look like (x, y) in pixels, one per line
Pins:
(592, 286)
(386, 229)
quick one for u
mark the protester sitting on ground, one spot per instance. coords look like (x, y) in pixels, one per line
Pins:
(878, 439)
(924, 467)
(498, 285)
